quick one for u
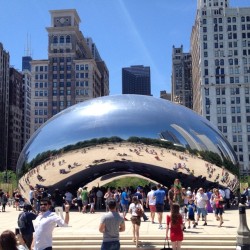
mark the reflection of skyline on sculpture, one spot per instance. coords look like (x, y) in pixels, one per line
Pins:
(124, 117)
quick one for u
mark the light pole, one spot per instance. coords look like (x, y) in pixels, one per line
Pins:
(243, 233)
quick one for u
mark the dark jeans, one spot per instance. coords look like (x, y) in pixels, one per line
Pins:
(112, 245)
(48, 248)
(28, 238)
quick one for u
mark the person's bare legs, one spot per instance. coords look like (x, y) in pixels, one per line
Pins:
(178, 245)
(174, 244)
(152, 216)
(160, 219)
(137, 228)
(133, 233)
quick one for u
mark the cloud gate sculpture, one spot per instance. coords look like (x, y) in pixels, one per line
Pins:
(121, 134)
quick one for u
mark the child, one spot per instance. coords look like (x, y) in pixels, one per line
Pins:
(174, 222)
(191, 209)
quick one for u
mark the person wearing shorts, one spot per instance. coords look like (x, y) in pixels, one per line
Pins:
(201, 203)
(150, 202)
(159, 195)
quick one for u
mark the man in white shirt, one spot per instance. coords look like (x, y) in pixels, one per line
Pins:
(151, 203)
(201, 203)
(44, 225)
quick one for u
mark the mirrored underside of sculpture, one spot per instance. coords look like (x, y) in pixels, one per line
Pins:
(127, 134)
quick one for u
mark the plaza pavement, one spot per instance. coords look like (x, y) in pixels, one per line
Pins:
(87, 224)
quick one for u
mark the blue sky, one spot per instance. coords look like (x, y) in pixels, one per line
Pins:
(126, 32)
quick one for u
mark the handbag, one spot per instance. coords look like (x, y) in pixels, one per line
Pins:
(166, 248)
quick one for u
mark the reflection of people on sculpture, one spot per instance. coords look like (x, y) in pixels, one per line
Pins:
(177, 191)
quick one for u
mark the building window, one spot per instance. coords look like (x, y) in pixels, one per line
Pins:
(55, 39)
(61, 39)
(67, 39)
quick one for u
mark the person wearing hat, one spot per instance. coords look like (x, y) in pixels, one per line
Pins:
(27, 230)
(111, 224)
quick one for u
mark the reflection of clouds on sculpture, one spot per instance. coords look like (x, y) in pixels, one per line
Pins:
(113, 120)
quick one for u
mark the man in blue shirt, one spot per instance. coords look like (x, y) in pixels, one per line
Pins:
(124, 202)
(160, 196)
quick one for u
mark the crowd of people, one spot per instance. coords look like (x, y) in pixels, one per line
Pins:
(43, 211)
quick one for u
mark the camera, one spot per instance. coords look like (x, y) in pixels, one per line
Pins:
(17, 231)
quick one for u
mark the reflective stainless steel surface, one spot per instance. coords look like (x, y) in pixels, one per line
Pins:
(91, 133)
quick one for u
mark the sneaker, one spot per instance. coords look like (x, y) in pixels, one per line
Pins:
(194, 226)
(160, 227)
(205, 224)
(146, 219)
(184, 228)
(188, 227)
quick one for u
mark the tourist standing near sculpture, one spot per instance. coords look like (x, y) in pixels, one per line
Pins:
(201, 204)
(160, 196)
(218, 200)
(134, 208)
(45, 223)
(151, 203)
(84, 195)
(174, 223)
(111, 224)
(124, 202)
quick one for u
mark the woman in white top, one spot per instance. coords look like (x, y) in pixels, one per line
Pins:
(136, 210)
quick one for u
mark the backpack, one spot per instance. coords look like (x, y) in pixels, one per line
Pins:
(22, 220)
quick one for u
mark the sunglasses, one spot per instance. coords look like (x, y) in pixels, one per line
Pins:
(44, 204)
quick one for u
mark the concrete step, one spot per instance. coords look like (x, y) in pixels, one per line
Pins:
(72, 247)
(210, 242)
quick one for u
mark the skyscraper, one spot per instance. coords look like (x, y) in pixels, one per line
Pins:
(70, 74)
(220, 49)
(182, 78)
(15, 117)
(136, 80)
(4, 105)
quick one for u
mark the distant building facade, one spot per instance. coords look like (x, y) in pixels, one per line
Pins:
(182, 91)
(220, 48)
(4, 106)
(70, 74)
(15, 117)
(26, 122)
(136, 80)
(165, 95)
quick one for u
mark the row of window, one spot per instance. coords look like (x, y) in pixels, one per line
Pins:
(82, 75)
(61, 76)
(41, 93)
(41, 104)
(61, 39)
(41, 85)
(61, 59)
(82, 67)
(40, 120)
(67, 50)
(41, 112)
(41, 76)
(229, 20)
(61, 67)
(233, 100)
(41, 68)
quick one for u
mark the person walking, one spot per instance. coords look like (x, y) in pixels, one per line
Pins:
(174, 223)
(150, 202)
(134, 209)
(218, 200)
(25, 224)
(85, 197)
(124, 202)
(45, 223)
(159, 195)
(111, 224)
(201, 203)
(58, 202)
